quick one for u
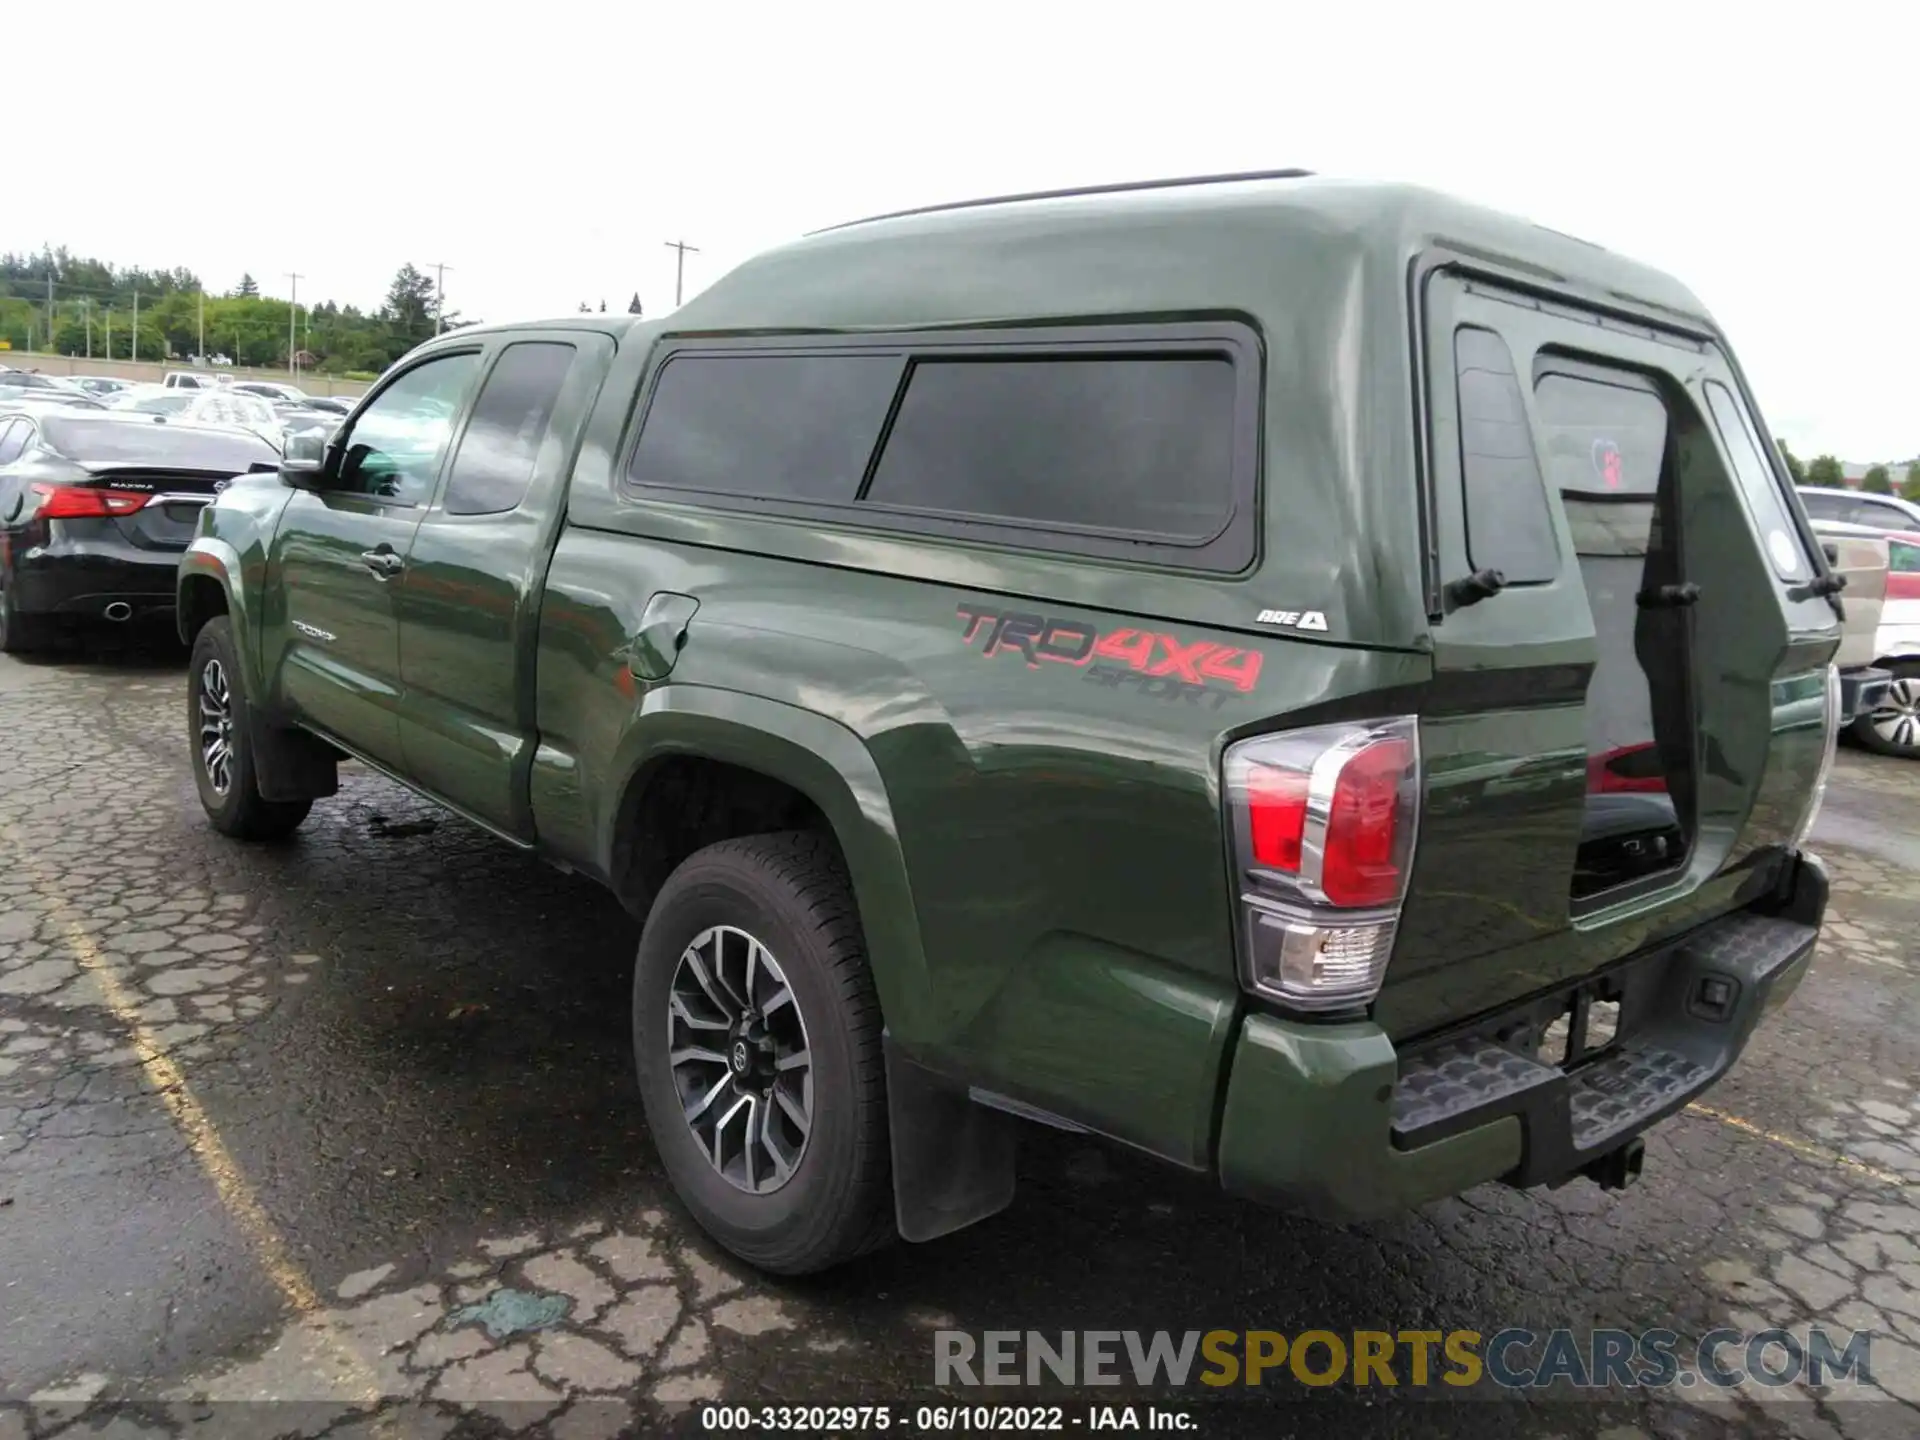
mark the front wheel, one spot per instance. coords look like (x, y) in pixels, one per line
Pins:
(1893, 728)
(218, 731)
(757, 1032)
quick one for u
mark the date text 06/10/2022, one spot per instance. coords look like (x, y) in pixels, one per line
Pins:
(943, 1419)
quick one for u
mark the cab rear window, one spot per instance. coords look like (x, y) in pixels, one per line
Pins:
(1605, 445)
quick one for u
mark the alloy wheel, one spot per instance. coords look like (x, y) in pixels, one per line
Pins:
(1897, 719)
(737, 1047)
(216, 726)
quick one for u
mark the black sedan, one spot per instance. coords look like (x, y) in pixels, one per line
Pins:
(95, 508)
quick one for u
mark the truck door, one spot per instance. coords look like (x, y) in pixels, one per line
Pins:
(339, 554)
(469, 609)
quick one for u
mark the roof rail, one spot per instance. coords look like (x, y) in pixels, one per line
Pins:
(1111, 189)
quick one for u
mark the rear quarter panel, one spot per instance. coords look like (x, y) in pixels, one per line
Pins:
(1056, 819)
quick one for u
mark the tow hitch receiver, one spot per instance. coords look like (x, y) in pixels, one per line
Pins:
(1620, 1167)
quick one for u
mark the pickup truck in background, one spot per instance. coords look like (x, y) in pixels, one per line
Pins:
(1060, 690)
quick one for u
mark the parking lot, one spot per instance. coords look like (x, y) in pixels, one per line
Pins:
(348, 1126)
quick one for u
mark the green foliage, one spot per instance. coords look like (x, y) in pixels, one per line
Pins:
(18, 321)
(1796, 467)
(1877, 481)
(90, 297)
(1910, 487)
(1825, 470)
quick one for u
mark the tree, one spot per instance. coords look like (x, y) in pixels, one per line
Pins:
(1796, 467)
(243, 324)
(1910, 487)
(1825, 470)
(1876, 481)
(408, 314)
(633, 305)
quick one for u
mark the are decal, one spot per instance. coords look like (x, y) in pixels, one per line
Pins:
(1151, 661)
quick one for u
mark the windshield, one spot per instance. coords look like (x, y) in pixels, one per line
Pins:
(171, 402)
(104, 441)
(228, 408)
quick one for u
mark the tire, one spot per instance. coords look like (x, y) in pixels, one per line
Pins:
(1894, 729)
(790, 893)
(228, 792)
(20, 634)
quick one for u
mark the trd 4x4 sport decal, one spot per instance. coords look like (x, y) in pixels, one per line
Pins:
(1158, 664)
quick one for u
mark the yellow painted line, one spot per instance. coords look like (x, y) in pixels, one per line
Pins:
(1801, 1147)
(203, 1137)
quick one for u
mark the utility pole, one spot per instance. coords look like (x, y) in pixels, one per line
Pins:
(293, 315)
(202, 357)
(440, 268)
(136, 325)
(109, 332)
(86, 319)
(680, 249)
(49, 304)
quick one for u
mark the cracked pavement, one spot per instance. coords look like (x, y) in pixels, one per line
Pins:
(340, 1138)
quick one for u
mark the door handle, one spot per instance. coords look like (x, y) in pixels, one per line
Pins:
(383, 562)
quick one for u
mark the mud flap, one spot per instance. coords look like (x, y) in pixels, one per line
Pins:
(953, 1160)
(290, 764)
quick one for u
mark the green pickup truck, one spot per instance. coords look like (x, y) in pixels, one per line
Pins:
(1318, 682)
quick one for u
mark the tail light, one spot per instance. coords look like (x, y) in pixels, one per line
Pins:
(84, 502)
(1323, 825)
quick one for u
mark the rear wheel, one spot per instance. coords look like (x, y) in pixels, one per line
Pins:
(757, 1032)
(1894, 727)
(19, 634)
(217, 729)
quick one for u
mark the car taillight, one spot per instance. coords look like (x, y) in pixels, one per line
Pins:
(83, 502)
(1323, 824)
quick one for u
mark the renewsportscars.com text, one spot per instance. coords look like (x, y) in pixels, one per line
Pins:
(1511, 1359)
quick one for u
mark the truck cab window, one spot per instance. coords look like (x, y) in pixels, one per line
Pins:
(494, 464)
(394, 449)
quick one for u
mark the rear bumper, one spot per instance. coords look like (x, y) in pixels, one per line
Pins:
(80, 579)
(1862, 690)
(1332, 1118)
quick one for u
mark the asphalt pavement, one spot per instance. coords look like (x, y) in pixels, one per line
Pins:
(340, 1137)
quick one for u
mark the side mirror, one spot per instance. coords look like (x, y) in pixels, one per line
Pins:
(304, 466)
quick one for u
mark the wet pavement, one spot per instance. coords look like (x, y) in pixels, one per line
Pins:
(340, 1137)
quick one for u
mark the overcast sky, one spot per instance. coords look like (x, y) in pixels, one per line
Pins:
(547, 152)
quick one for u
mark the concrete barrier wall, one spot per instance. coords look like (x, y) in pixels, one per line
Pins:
(143, 370)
